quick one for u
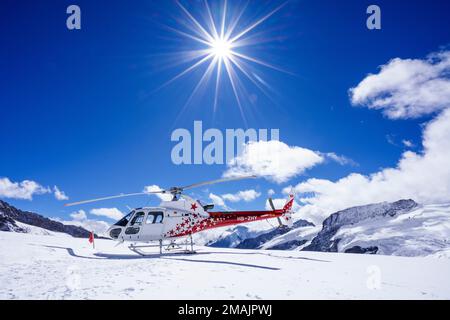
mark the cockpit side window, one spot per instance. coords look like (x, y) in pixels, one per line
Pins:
(158, 217)
(124, 221)
(138, 218)
(154, 217)
(150, 218)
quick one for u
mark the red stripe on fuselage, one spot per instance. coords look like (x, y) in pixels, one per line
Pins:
(221, 219)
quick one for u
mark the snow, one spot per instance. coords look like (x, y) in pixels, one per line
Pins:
(55, 266)
(423, 231)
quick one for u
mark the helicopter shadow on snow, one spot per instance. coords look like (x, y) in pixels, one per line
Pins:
(180, 256)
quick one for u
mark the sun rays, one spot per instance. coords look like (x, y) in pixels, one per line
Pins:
(218, 41)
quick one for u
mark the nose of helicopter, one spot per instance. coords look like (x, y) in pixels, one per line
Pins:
(114, 231)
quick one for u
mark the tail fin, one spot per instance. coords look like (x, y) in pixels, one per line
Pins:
(286, 218)
(288, 206)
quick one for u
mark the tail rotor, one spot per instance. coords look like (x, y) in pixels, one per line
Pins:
(286, 217)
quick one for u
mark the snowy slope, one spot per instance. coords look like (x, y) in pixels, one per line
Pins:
(285, 237)
(295, 239)
(60, 267)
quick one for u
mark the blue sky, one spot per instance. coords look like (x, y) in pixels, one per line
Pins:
(79, 109)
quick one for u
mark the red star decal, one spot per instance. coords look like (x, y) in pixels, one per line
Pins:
(193, 206)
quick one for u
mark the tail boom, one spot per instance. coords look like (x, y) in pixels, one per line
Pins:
(223, 219)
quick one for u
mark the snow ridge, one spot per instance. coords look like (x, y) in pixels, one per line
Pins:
(11, 217)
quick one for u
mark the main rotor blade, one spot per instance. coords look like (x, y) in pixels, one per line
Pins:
(195, 185)
(112, 197)
(199, 184)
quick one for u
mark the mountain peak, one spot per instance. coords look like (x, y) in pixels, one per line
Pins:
(9, 215)
(325, 239)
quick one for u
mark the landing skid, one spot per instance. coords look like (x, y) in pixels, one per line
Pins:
(172, 247)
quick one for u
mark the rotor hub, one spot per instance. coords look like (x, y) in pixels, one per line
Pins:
(175, 190)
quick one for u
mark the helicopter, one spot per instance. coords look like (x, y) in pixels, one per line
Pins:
(181, 217)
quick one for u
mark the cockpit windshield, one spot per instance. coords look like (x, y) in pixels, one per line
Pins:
(124, 221)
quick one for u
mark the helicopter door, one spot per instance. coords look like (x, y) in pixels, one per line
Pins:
(152, 229)
(133, 231)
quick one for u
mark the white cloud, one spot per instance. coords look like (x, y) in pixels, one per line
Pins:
(390, 138)
(408, 143)
(79, 218)
(407, 88)
(270, 192)
(218, 201)
(278, 203)
(273, 159)
(111, 213)
(246, 195)
(342, 160)
(424, 177)
(162, 196)
(98, 227)
(60, 195)
(78, 215)
(21, 190)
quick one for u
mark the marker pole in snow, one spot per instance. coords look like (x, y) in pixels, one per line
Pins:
(91, 239)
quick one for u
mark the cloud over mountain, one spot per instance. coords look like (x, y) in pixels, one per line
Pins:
(402, 89)
(24, 190)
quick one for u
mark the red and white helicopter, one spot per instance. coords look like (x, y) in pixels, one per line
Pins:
(181, 217)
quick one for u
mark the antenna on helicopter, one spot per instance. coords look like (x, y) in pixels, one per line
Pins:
(175, 191)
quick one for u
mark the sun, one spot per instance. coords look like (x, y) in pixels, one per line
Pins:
(221, 48)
